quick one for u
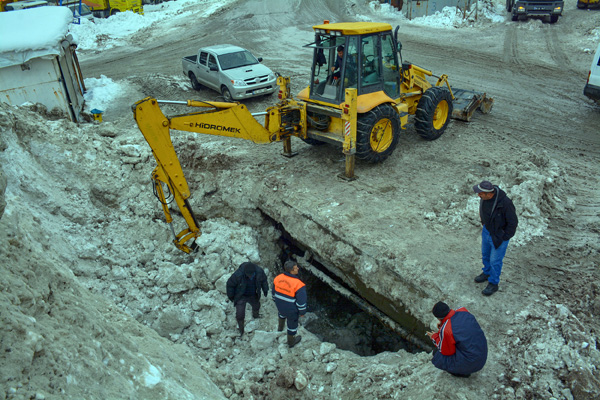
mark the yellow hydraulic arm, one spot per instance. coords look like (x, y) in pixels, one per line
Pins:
(222, 119)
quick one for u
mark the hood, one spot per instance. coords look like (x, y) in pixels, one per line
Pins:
(247, 72)
(499, 193)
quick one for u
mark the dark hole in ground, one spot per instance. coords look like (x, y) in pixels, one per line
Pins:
(336, 319)
(340, 321)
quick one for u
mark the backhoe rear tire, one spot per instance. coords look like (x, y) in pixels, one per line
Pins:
(377, 133)
(433, 112)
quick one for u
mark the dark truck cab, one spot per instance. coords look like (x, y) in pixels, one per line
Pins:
(523, 9)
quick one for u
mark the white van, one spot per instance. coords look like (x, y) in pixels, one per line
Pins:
(592, 87)
(23, 5)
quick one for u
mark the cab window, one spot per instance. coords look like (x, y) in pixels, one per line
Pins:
(212, 61)
(391, 78)
(370, 64)
(203, 57)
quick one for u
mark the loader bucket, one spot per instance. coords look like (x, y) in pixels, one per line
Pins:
(467, 101)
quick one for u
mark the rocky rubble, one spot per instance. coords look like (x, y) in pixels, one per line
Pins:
(98, 304)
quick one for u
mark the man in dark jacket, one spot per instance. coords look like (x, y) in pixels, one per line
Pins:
(499, 220)
(460, 345)
(289, 294)
(243, 287)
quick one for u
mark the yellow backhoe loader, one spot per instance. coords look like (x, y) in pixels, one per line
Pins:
(360, 96)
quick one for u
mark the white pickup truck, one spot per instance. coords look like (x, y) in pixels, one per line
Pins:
(230, 70)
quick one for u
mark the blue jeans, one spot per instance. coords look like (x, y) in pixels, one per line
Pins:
(492, 257)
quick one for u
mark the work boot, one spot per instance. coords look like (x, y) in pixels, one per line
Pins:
(490, 289)
(481, 278)
(460, 375)
(281, 324)
(241, 326)
(255, 314)
(293, 340)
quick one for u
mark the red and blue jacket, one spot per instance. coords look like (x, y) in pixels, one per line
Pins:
(461, 344)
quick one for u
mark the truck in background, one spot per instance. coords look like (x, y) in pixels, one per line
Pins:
(230, 70)
(106, 8)
(592, 86)
(588, 4)
(523, 9)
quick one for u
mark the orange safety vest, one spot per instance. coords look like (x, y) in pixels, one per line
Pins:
(287, 285)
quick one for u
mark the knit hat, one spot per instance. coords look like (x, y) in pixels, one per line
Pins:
(440, 310)
(248, 269)
(484, 187)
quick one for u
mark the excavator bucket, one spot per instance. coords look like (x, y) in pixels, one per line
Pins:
(467, 101)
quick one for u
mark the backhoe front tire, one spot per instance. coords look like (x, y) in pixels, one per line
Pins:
(377, 133)
(433, 112)
(195, 84)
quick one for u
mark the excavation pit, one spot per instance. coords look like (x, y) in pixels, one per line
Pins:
(339, 315)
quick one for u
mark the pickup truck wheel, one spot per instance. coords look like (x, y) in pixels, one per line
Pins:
(433, 112)
(195, 84)
(377, 133)
(514, 17)
(226, 94)
(553, 19)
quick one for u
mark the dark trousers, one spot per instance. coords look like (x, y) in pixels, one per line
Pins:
(240, 307)
(292, 322)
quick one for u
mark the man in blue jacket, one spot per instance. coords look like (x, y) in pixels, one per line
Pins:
(289, 294)
(460, 344)
(499, 221)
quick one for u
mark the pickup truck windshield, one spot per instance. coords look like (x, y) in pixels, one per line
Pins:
(235, 60)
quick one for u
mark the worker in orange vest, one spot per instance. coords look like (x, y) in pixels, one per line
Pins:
(289, 294)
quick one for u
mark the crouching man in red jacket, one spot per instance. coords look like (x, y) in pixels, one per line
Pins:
(461, 346)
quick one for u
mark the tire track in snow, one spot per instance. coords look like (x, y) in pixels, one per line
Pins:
(555, 49)
(511, 53)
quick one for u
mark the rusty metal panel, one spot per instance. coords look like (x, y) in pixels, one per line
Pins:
(37, 81)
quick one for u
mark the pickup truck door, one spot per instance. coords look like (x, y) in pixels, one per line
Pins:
(212, 76)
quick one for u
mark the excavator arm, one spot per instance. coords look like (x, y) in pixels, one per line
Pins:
(214, 118)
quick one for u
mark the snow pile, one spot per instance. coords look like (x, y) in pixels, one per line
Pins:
(117, 30)
(543, 342)
(488, 11)
(534, 184)
(33, 33)
(100, 92)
